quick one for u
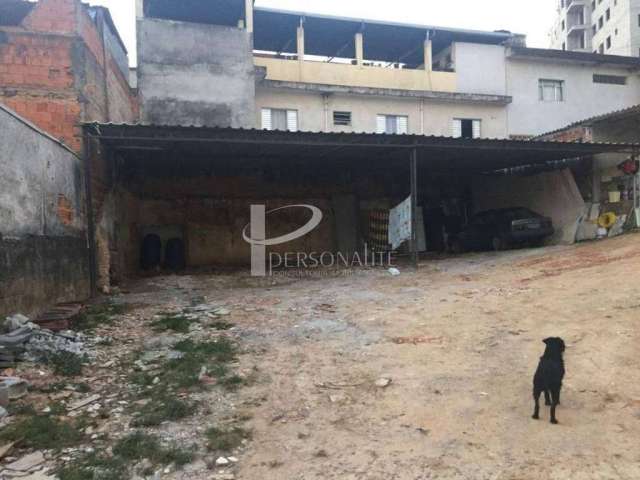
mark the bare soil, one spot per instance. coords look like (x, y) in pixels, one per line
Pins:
(460, 338)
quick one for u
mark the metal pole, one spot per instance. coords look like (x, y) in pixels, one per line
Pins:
(414, 205)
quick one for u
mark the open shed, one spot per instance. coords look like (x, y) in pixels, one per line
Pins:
(197, 184)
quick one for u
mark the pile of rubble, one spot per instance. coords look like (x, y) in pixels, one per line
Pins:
(23, 340)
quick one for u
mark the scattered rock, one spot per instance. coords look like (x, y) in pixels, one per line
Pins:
(221, 462)
(15, 387)
(383, 382)
(6, 449)
(394, 272)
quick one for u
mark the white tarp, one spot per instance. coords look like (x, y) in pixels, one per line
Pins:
(400, 224)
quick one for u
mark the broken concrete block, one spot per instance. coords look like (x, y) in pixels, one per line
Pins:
(84, 402)
(27, 462)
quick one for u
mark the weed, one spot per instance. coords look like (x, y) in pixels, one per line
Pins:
(67, 364)
(42, 432)
(94, 467)
(184, 372)
(226, 440)
(233, 382)
(174, 322)
(221, 325)
(138, 446)
(98, 315)
(82, 387)
(163, 409)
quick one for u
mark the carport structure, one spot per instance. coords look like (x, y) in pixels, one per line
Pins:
(208, 178)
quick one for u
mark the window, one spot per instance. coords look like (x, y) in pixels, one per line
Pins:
(551, 90)
(393, 124)
(342, 118)
(564, 46)
(601, 48)
(608, 14)
(593, 5)
(279, 119)
(601, 22)
(608, 43)
(563, 25)
(639, 20)
(610, 79)
(465, 128)
(594, 29)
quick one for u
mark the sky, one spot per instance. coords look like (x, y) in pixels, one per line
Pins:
(531, 17)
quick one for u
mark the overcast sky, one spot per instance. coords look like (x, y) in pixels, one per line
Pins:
(531, 17)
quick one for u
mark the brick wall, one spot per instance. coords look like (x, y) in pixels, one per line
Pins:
(56, 72)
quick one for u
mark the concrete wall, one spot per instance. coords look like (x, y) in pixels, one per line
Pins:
(553, 194)
(425, 116)
(356, 75)
(43, 248)
(582, 97)
(195, 74)
(481, 68)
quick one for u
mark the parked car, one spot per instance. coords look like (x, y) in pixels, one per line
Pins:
(502, 229)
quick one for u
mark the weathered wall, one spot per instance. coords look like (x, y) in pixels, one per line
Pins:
(210, 212)
(553, 194)
(195, 74)
(43, 249)
(480, 68)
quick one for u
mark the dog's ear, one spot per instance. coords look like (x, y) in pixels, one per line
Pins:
(547, 341)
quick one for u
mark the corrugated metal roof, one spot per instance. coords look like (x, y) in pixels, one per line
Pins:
(268, 147)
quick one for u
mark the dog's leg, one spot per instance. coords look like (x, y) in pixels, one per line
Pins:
(547, 398)
(536, 399)
(555, 400)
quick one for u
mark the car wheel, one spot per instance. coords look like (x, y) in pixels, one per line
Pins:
(498, 244)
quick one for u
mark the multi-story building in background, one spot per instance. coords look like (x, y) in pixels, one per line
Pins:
(253, 67)
(600, 26)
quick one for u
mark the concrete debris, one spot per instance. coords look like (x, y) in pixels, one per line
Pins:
(27, 462)
(14, 322)
(221, 462)
(6, 449)
(394, 272)
(14, 387)
(3, 412)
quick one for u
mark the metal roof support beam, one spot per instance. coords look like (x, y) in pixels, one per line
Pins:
(413, 166)
(300, 38)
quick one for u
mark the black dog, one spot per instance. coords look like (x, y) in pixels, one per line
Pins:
(548, 377)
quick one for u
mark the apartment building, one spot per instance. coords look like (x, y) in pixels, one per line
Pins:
(242, 66)
(600, 26)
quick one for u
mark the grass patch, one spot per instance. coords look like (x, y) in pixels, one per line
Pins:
(219, 440)
(42, 432)
(66, 364)
(94, 467)
(163, 409)
(138, 446)
(98, 315)
(221, 325)
(184, 372)
(174, 322)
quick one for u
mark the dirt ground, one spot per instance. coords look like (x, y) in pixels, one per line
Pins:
(460, 339)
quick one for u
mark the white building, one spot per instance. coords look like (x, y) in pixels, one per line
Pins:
(600, 26)
(294, 71)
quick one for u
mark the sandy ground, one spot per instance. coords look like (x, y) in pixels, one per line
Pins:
(460, 338)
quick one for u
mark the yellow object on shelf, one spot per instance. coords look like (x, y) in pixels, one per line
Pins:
(607, 220)
(614, 197)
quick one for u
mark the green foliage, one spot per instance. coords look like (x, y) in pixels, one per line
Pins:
(219, 440)
(42, 432)
(67, 364)
(163, 409)
(173, 322)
